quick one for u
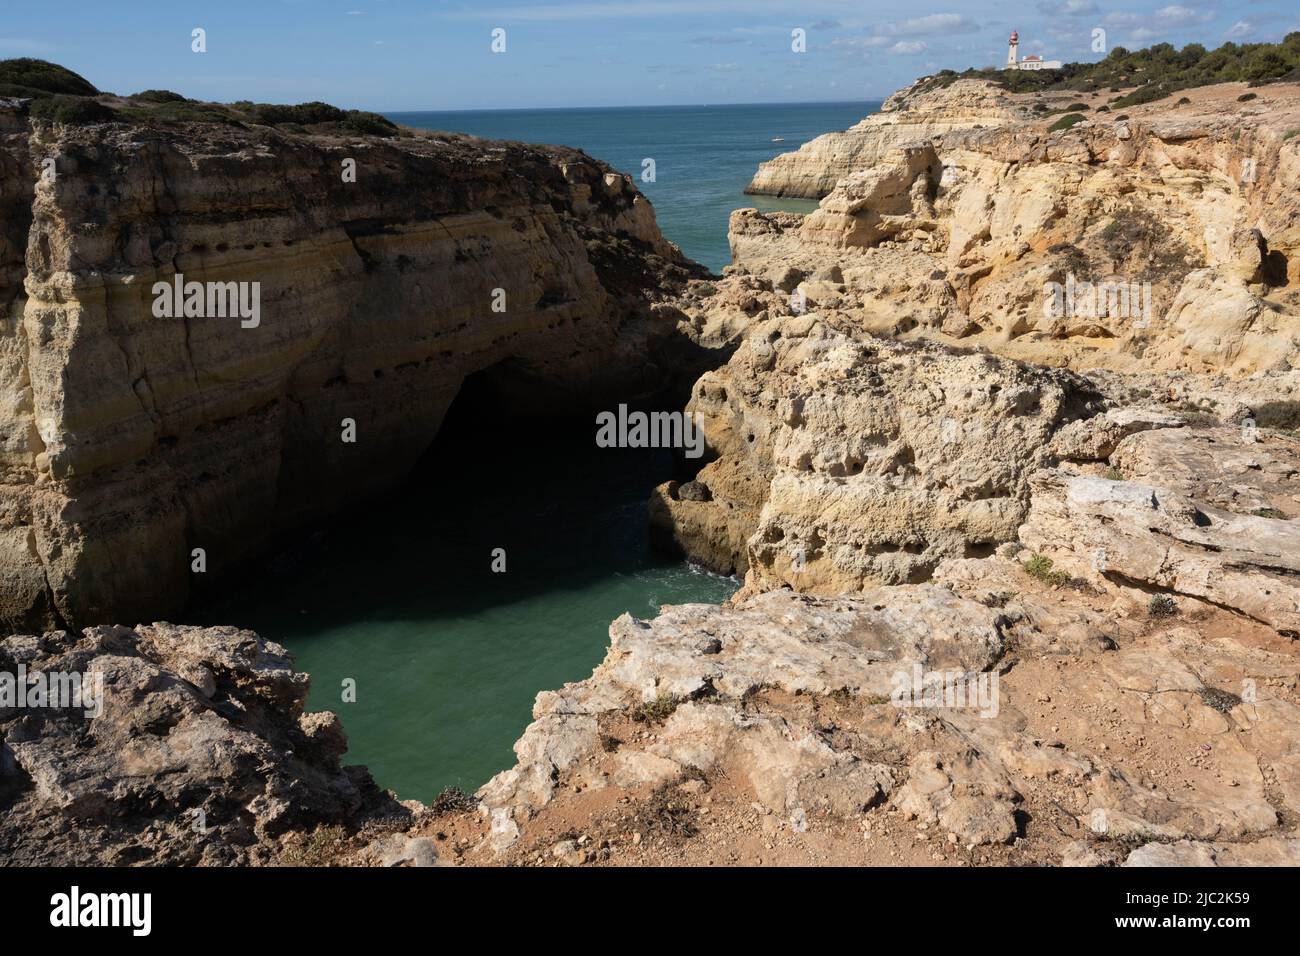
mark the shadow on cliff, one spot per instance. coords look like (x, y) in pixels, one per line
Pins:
(565, 512)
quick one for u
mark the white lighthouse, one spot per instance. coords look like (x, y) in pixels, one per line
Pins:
(1031, 62)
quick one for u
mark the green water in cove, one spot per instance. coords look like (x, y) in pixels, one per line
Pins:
(447, 654)
(400, 596)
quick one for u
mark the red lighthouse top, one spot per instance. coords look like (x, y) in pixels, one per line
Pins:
(1015, 37)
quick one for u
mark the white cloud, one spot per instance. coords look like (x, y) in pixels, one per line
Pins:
(859, 43)
(908, 47)
(936, 24)
(1068, 8)
(1144, 28)
(1177, 15)
(1242, 28)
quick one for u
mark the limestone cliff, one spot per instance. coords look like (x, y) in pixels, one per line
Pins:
(813, 170)
(844, 460)
(128, 441)
(1048, 564)
(1136, 646)
(1164, 240)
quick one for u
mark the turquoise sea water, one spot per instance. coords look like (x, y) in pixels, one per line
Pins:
(704, 155)
(446, 653)
(447, 656)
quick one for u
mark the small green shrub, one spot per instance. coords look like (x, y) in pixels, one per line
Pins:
(1039, 566)
(1221, 700)
(1247, 97)
(72, 109)
(1114, 474)
(1067, 122)
(1162, 605)
(659, 709)
(270, 114)
(39, 76)
(452, 800)
(369, 124)
(1145, 94)
(159, 96)
(1269, 513)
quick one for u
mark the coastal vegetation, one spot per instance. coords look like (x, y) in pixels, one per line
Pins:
(1067, 121)
(1151, 73)
(62, 96)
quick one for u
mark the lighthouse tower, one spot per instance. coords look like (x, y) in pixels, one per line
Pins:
(1011, 51)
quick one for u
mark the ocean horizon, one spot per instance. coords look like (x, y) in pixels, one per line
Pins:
(704, 156)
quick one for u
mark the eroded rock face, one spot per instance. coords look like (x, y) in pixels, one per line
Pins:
(1081, 751)
(1241, 469)
(1155, 243)
(1116, 730)
(130, 440)
(845, 460)
(1139, 620)
(1144, 534)
(705, 662)
(196, 751)
(909, 115)
(954, 514)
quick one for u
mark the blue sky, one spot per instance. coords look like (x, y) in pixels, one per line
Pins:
(436, 54)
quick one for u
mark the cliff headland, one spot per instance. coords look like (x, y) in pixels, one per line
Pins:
(1004, 440)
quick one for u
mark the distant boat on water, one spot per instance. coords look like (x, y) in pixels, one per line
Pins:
(778, 139)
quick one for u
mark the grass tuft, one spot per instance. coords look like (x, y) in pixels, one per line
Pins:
(1162, 605)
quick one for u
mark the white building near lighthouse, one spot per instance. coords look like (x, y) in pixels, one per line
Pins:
(1031, 62)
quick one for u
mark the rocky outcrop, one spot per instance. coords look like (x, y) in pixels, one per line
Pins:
(189, 746)
(1168, 542)
(703, 663)
(1014, 710)
(995, 612)
(845, 460)
(1165, 241)
(909, 115)
(138, 451)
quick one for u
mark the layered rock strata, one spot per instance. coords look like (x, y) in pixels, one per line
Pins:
(1163, 240)
(845, 460)
(813, 170)
(138, 450)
